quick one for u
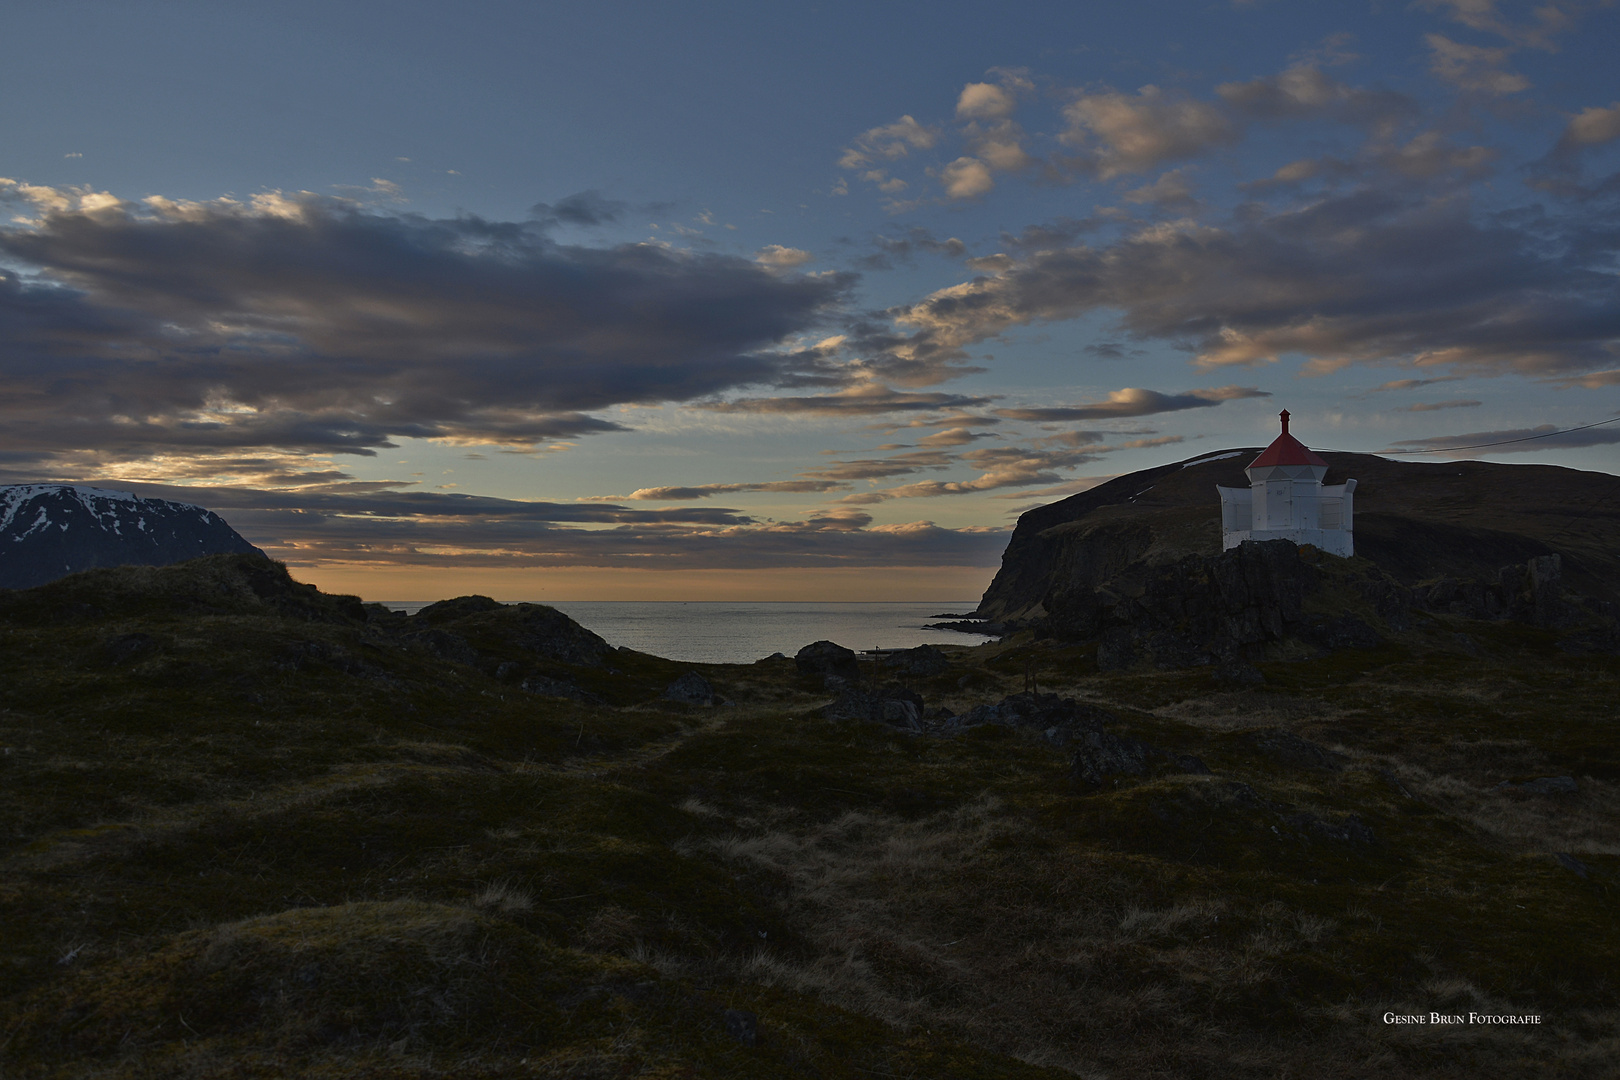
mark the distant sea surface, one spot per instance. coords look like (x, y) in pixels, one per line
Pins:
(718, 632)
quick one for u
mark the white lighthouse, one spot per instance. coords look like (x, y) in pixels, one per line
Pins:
(1286, 500)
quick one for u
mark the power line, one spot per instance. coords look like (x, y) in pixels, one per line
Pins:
(1476, 446)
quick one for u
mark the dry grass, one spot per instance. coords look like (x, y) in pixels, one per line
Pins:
(347, 876)
(1585, 823)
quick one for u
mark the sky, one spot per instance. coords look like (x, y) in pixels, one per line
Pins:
(758, 301)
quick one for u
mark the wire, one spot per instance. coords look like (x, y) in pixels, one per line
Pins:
(1476, 446)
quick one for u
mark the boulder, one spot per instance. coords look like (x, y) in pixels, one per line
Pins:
(832, 664)
(1060, 719)
(893, 704)
(690, 689)
(1099, 756)
(923, 661)
(742, 1025)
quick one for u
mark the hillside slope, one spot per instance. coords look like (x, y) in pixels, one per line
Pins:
(248, 829)
(1415, 520)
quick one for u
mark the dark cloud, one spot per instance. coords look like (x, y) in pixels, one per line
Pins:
(462, 531)
(582, 208)
(1135, 402)
(1436, 406)
(1414, 384)
(880, 468)
(862, 398)
(1013, 466)
(309, 324)
(704, 491)
(1370, 276)
(892, 249)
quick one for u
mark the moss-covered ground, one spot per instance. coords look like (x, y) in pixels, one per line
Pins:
(248, 833)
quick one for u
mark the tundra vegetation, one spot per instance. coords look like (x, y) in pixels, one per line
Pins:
(252, 830)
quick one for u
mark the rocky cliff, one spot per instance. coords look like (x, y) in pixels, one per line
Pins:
(1425, 524)
(50, 530)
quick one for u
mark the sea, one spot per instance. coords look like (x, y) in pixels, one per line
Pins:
(723, 632)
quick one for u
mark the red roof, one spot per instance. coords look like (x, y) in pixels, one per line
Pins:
(1286, 450)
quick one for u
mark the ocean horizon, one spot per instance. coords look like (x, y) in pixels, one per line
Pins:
(741, 632)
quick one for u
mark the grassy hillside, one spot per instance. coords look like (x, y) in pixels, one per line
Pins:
(251, 830)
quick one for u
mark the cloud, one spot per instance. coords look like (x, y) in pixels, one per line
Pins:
(312, 324)
(904, 248)
(984, 101)
(1135, 402)
(582, 208)
(1170, 190)
(1371, 276)
(1414, 384)
(1593, 125)
(1594, 380)
(1516, 440)
(1429, 154)
(1474, 68)
(1013, 466)
(1138, 132)
(704, 491)
(1435, 406)
(956, 436)
(1304, 92)
(966, 178)
(880, 468)
(1551, 18)
(858, 399)
(999, 145)
(462, 531)
(782, 258)
(1060, 491)
(888, 143)
(1107, 350)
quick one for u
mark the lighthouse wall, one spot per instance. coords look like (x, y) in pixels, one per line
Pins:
(1304, 511)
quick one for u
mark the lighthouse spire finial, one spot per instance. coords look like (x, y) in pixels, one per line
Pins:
(1284, 415)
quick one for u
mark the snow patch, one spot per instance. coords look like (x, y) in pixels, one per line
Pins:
(1217, 457)
(99, 502)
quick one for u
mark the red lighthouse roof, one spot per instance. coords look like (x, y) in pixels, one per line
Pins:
(1285, 450)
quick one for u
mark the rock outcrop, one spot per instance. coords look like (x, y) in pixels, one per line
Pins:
(690, 689)
(921, 662)
(482, 632)
(829, 662)
(1230, 609)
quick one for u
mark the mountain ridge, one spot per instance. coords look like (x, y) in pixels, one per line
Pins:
(48, 531)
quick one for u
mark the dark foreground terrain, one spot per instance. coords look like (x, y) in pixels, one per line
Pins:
(254, 831)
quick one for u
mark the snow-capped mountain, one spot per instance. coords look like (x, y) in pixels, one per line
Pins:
(49, 530)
